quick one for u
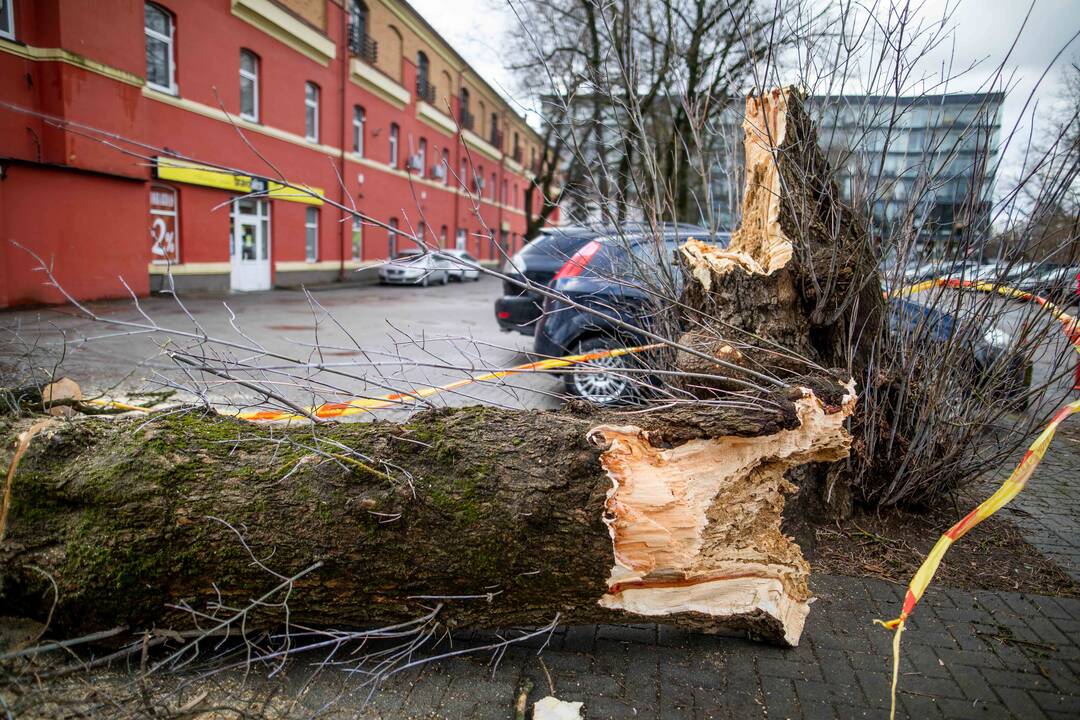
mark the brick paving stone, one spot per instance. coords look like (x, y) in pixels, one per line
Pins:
(1003, 658)
(1046, 511)
(780, 698)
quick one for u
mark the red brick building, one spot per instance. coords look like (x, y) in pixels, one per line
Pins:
(363, 101)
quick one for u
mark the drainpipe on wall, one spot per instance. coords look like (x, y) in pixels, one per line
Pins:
(457, 162)
(344, 124)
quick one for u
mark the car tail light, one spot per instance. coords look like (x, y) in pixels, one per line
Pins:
(503, 315)
(577, 263)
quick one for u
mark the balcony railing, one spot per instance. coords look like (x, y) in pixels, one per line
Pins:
(466, 119)
(363, 45)
(425, 91)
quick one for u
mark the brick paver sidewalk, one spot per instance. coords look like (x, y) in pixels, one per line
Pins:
(966, 655)
(1048, 511)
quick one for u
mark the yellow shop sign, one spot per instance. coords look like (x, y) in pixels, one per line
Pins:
(191, 173)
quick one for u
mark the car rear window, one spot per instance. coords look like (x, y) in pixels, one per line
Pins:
(628, 261)
(555, 245)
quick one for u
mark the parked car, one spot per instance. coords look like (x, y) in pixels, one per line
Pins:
(620, 277)
(461, 265)
(600, 277)
(991, 349)
(518, 309)
(1057, 284)
(413, 267)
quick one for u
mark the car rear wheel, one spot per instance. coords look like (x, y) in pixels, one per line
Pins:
(603, 381)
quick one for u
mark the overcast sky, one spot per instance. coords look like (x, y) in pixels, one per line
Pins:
(984, 32)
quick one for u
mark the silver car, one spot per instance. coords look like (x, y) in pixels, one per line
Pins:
(461, 265)
(415, 268)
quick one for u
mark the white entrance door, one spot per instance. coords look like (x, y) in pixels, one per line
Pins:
(250, 245)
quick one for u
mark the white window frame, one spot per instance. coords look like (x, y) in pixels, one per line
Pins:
(254, 78)
(357, 234)
(170, 42)
(9, 31)
(421, 150)
(446, 166)
(311, 254)
(359, 117)
(395, 142)
(311, 134)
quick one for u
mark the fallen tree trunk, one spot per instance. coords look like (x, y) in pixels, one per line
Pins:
(506, 518)
(507, 503)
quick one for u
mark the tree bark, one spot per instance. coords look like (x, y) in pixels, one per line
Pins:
(505, 517)
(462, 503)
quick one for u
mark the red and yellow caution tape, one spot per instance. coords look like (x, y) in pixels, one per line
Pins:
(117, 405)
(1068, 322)
(1008, 489)
(364, 404)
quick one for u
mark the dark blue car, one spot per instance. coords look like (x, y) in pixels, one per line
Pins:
(616, 286)
(629, 282)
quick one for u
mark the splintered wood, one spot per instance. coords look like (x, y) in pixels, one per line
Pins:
(696, 528)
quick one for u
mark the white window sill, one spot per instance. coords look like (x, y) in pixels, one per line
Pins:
(249, 118)
(174, 90)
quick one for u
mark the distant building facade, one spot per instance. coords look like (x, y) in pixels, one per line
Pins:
(924, 164)
(362, 101)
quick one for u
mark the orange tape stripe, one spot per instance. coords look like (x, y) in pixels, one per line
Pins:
(357, 405)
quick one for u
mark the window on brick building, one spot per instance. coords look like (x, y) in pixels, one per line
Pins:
(160, 49)
(494, 187)
(446, 166)
(311, 234)
(164, 225)
(395, 131)
(357, 239)
(421, 157)
(249, 85)
(358, 17)
(442, 236)
(311, 111)
(391, 238)
(358, 130)
(424, 88)
(465, 117)
(7, 19)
